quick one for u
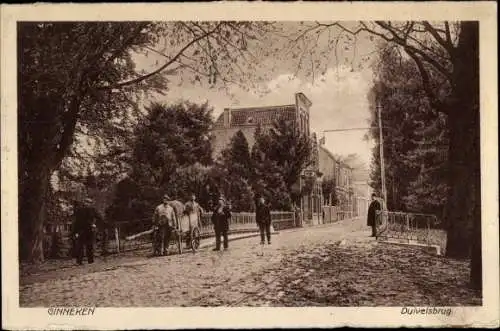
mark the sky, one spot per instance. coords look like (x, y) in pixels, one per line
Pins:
(339, 101)
(338, 96)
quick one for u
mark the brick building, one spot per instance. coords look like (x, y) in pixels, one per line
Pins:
(247, 119)
(341, 173)
(324, 164)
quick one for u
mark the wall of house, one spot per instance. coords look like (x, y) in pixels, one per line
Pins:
(326, 163)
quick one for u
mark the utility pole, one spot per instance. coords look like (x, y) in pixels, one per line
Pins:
(382, 166)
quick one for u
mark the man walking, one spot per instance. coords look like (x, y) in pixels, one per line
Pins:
(220, 219)
(372, 211)
(164, 218)
(263, 218)
(84, 230)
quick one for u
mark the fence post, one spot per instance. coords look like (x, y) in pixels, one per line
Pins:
(407, 223)
(117, 239)
(428, 236)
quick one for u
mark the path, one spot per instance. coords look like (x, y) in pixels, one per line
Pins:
(325, 265)
(174, 280)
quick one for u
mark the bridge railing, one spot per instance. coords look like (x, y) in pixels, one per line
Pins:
(410, 228)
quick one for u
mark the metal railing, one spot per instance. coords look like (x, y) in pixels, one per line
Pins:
(409, 228)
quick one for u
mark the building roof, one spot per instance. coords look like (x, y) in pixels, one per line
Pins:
(253, 116)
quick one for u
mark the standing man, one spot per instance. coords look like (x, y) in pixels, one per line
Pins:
(194, 208)
(372, 211)
(84, 230)
(164, 218)
(298, 216)
(220, 219)
(263, 218)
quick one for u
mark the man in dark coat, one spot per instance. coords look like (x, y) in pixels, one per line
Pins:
(263, 218)
(84, 230)
(372, 211)
(220, 219)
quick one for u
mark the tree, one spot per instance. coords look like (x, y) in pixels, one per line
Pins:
(171, 137)
(328, 188)
(414, 135)
(191, 179)
(449, 53)
(123, 206)
(171, 152)
(235, 163)
(81, 77)
(298, 146)
(236, 157)
(277, 172)
(268, 181)
(428, 190)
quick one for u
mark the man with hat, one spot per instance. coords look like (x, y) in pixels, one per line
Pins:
(372, 212)
(164, 218)
(84, 230)
(220, 219)
(263, 218)
(193, 207)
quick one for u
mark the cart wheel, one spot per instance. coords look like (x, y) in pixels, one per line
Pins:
(179, 242)
(195, 239)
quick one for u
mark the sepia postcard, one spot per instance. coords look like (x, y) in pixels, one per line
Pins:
(249, 165)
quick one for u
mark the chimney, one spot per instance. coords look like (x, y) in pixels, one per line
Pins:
(227, 117)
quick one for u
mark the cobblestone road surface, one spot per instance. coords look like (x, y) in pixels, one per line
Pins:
(206, 278)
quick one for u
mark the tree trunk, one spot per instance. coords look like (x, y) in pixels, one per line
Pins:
(33, 191)
(463, 175)
(464, 199)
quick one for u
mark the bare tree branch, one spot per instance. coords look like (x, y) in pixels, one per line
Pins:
(426, 84)
(437, 37)
(343, 28)
(447, 33)
(311, 28)
(168, 63)
(402, 42)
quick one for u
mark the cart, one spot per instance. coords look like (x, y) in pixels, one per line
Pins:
(187, 229)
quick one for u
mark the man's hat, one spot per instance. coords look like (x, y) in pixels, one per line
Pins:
(88, 200)
(166, 196)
